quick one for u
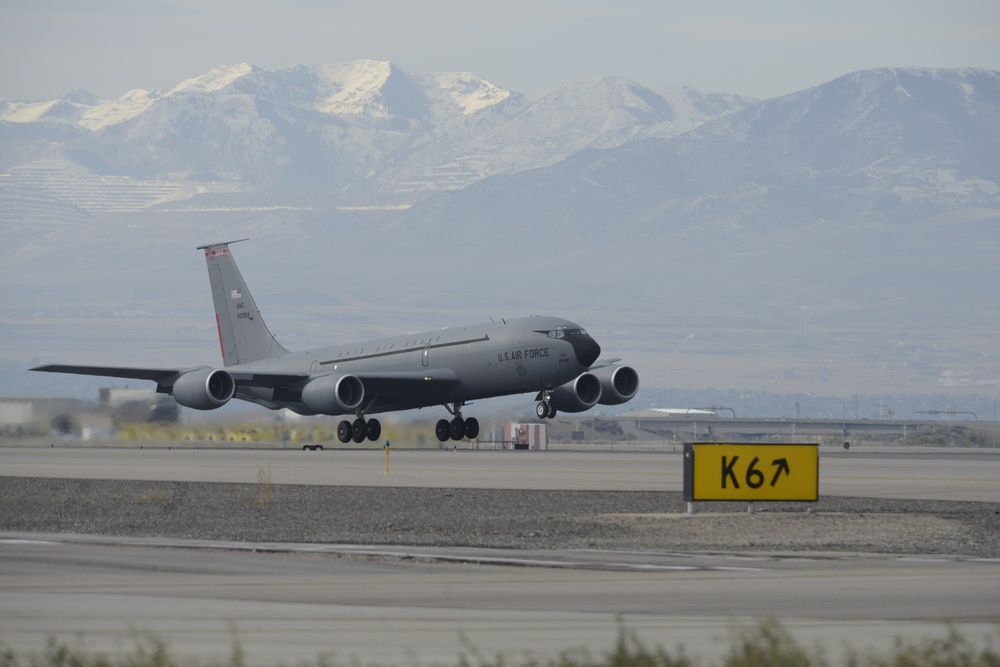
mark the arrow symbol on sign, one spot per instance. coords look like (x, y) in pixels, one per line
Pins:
(782, 465)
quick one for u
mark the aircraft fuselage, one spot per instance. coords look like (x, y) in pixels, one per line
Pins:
(498, 358)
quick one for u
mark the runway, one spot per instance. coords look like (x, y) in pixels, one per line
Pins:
(408, 605)
(972, 475)
(296, 605)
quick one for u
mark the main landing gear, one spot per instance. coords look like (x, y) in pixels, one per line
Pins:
(360, 429)
(457, 428)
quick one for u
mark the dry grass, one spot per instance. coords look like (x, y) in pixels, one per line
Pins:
(766, 644)
(265, 487)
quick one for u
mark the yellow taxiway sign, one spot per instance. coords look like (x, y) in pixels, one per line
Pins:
(729, 471)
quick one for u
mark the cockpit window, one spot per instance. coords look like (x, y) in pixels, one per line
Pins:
(563, 332)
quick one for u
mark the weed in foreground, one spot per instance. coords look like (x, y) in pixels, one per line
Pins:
(766, 644)
(953, 650)
(265, 489)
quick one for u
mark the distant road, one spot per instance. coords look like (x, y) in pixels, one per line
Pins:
(932, 474)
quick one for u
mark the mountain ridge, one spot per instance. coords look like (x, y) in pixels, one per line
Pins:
(354, 123)
(843, 237)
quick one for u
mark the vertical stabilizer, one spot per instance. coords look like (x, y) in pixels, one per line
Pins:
(242, 333)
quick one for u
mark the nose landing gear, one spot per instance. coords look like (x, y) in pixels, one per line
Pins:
(544, 409)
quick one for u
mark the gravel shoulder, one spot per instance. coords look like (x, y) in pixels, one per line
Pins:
(624, 520)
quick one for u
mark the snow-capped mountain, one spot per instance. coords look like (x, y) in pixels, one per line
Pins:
(367, 132)
(363, 87)
(880, 147)
(844, 234)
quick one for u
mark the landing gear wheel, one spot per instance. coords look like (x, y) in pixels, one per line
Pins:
(471, 428)
(374, 429)
(552, 411)
(360, 429)
(542, 410)
(457, 428)
(442, 430)
(344, 431)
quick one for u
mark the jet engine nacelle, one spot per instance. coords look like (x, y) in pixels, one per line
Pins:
(619, 384)
(204, 389)
(577, 395)
(333, 394)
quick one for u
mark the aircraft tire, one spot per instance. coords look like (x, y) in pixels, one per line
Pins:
(542, 410)
(373, 430)
(344, 431)
(471, 428)
(442, 430)
(359, 430)
(457, 428)
(552, 412)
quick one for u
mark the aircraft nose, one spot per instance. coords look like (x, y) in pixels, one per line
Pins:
(587, 350)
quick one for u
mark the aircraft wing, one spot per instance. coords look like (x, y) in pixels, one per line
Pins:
(405, 389)
(266, 379)
(406, 383)
(167, 376)
(383, 384)
(601, 363)
(154, 374)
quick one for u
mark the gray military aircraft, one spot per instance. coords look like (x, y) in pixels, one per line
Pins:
(449, 367)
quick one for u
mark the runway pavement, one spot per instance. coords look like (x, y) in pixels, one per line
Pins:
(931, 474)
(408, 605)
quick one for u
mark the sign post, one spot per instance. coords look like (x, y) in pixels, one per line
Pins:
(750, 472)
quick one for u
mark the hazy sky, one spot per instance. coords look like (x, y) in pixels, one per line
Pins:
(760, 48)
